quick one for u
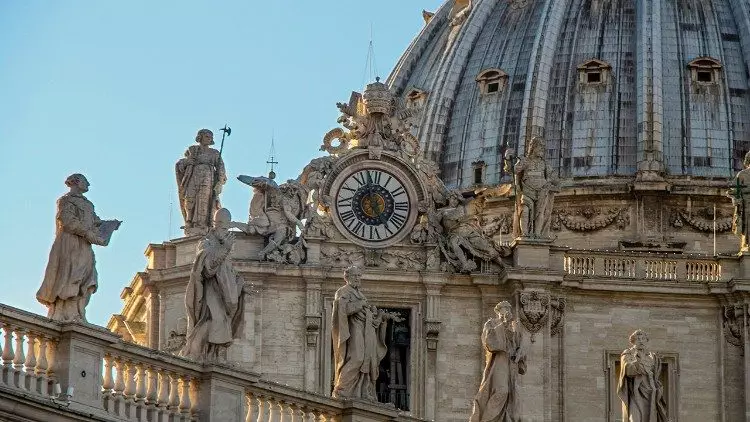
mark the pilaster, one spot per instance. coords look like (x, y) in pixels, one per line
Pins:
(432, 324)
(313, 324)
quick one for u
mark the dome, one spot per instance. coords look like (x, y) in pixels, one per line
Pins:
(616, 88)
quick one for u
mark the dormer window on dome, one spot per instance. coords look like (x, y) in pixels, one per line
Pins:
(593, 72)
(479, 167)
(705, 70)
(491, 81)
(416, 98)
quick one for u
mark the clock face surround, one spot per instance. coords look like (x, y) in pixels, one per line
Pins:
(373, 206)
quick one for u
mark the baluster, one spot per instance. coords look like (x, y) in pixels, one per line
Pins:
(42, 367)
(162, 402)
(153, 386)
(20, 378)
(194, 390)
(7, 372)
(119, 388)
(30, 362)
(107, 383)
(264, 408)
(129, 393)
(252, 408)
(185, 397)
(285, 411)
(140, 392)
(52, 361)
(174, 397)
(274, 410)
(298, 414)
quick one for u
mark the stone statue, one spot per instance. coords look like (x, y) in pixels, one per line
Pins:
(505, 357)
(358, 333)
(276, 212)
(200, 178)
(215, 295)
(639, 388)
(70, 278)
(375, 120)
(740, 193)
(536, 184)
(462, 235)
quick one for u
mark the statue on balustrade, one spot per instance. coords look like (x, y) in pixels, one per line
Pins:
(536, 184)
(740, 193)
(215, 295)
(505, 358)
(358, 333)
(200, 178)
(639, 387)
(70, 278)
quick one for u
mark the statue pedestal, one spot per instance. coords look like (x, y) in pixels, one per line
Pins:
(531, 253)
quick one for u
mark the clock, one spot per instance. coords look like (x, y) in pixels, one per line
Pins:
(373, 205)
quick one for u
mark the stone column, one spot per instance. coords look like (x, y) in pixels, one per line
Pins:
(432, 323)
(313, 323)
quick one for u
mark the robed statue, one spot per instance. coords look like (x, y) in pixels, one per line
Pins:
(215, 295)
(505, 358)
(740, 193)
(536, 184)
(358, 340)
(70, 278)
(200, 178)
(639, 387)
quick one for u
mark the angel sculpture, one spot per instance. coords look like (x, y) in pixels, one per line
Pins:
(276, 212)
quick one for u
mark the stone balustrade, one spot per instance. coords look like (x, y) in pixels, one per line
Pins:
(86, 370)
(645, 266)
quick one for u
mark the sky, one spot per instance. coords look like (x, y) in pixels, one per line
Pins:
(118, 90)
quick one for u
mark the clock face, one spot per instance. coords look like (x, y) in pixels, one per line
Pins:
(372, 205)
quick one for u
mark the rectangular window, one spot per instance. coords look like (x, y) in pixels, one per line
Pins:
(593, 77)
(493, 87)
(705, 76)
(478, 176)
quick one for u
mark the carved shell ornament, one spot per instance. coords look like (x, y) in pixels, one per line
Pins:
(590, 218)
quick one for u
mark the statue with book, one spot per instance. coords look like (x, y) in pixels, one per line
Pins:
(70, 278)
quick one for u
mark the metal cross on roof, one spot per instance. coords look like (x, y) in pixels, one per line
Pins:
(271, 161)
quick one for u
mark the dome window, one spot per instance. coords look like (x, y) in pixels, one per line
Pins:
(705, 70)
(478, 167)
(416, 98)
(593, 72)
(491, 81)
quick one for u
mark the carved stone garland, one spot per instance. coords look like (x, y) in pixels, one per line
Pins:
(702, 220)
(558, 311)
(590, 218)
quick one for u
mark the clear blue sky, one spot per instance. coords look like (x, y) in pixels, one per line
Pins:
(117, 90)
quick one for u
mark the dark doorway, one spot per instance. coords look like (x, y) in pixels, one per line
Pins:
(393, 380)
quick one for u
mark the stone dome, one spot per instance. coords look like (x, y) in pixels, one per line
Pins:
(617, 88)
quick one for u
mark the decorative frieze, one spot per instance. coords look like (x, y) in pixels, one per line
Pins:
(590, 218)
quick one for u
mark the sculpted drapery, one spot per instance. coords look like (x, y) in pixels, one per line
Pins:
(200, 177)
(639, 388)
(215, 296)
(740, 194)
(536, 182)
(358, 340)
(505, 358)
(70, 278)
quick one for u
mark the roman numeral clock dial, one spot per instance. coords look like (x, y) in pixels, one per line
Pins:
(372, 206)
